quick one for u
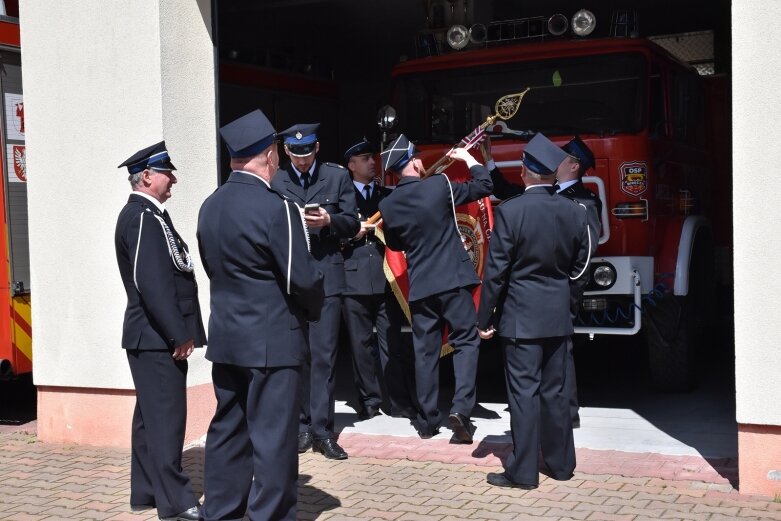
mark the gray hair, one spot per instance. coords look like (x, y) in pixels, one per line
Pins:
(135, 179)
(539, 177)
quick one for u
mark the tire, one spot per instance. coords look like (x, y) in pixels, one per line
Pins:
(676, 327)
(671, 353)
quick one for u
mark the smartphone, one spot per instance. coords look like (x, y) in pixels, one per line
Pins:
(312, 208)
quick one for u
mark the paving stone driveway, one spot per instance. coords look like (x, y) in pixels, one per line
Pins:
(393, 478)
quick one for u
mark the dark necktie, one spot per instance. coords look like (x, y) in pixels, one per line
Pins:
(305, 180)
(367, 192)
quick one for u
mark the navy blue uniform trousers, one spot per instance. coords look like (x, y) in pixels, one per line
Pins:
(318, 384)
(256, 407)
(156, 476)
(536, 372)
(361, 314)
(572, 381)
(429, 315)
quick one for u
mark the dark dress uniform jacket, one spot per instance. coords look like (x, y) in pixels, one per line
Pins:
(162, 302)
(332, 188)
(254, 322)
(363, 259)
(162, 313)
(418, 219)
(579, 193)
(593, 206)
(539, 242)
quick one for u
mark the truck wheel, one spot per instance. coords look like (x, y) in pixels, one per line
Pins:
(677, 326)
(669, 332)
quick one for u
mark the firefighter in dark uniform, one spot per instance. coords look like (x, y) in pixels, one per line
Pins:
(264, 288)
(162, 325)
(569, 184)
(370, 303)
(419, 219)
(538, 245)
(327, 186)
(578, 161)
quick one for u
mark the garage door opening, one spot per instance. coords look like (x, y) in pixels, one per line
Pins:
(648, 90)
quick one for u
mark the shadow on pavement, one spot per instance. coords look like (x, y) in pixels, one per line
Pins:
(493, 445)
(314, 500)
(310, 498)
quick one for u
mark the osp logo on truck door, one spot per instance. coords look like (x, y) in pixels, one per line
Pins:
(634, 177)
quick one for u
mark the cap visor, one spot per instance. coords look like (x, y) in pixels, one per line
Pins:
(301, 150)
(163, 166)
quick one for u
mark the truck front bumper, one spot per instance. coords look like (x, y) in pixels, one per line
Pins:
(616, 309)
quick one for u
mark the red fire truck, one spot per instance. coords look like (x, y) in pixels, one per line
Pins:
(643, 114)
(15, 331)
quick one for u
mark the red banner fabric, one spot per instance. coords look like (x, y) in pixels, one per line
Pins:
(475, 222)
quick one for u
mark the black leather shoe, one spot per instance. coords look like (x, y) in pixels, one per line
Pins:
(369, 412)
(304, 442)
(405, 412)
(191, 514)
(462, 428)
(500, 479)
(141, 508)
(329, 448)
(426, 433)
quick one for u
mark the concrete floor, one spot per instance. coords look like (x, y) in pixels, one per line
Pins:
(619, 408)
(690, 425)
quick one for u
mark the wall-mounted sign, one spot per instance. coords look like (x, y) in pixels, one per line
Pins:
(17, 163)
(14, 115)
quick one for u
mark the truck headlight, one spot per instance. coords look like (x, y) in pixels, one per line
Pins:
(558, 24)
(604, 275)
(583, 22)
(457, 36)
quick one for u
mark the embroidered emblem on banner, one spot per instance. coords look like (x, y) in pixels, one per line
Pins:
(474, 239)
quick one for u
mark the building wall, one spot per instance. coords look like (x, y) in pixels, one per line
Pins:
(757, 145)
(103, 79)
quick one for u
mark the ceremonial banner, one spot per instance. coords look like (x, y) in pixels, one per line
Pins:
(475, 222)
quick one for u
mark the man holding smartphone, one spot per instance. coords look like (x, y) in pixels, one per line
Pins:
(326, 193)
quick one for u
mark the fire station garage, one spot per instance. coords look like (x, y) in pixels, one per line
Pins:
(649, 94)
(676, 334)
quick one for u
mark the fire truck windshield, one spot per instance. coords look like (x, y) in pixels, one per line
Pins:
(599, 94)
